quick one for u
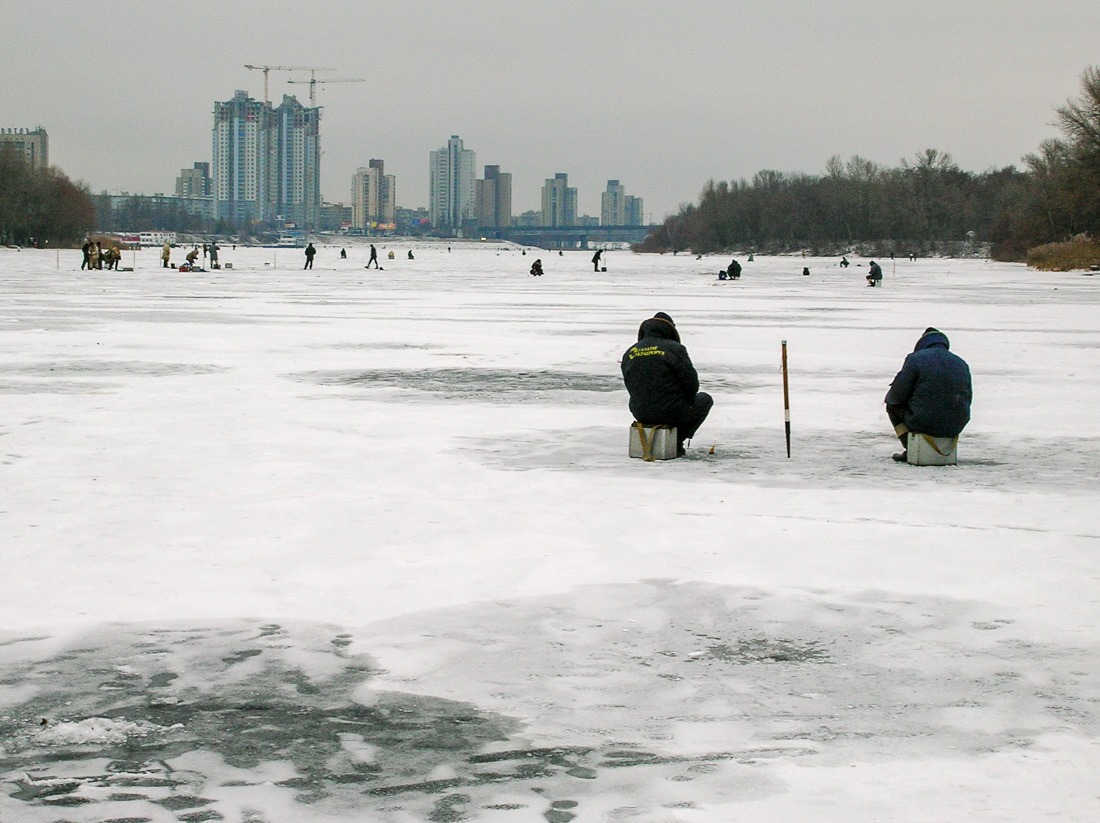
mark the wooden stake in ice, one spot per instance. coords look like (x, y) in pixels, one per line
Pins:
(786, 400)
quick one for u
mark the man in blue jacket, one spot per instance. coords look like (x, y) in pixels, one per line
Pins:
(663, 383)
(932, 392)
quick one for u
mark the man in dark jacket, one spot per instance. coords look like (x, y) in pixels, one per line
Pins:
(874, 276)
(734, 271)
(932, 392)
(310, 252)
(663, 384)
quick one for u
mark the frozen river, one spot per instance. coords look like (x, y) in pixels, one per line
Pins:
(286, 546)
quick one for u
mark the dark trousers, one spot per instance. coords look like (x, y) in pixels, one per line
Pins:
(687, 419)
(309, 263)
(897, 420)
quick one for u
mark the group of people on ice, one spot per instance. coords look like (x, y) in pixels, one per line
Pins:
(97, 257)
(192, 257)
(931, 394)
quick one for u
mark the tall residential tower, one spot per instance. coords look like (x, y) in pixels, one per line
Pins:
(451, 185)
(559, 202)
(494, 199)
(373, 196)
(267, 161)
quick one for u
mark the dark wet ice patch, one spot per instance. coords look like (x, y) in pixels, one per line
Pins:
(116, 713)
(113, 368)
(482, 384)
(636, 698)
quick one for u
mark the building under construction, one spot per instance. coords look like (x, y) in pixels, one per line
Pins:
(267, 162)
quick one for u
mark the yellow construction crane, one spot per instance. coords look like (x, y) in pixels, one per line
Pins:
(266, 69)
(313, 81)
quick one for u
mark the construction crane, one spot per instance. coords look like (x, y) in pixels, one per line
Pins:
(266, 69)
(313, 81)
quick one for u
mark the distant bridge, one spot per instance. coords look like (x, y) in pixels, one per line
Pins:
(562, 237)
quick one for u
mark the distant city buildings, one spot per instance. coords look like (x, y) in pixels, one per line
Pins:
(559, 202)
(32, 144)
(617, 208)
(335, 217)
(493, 196)
(373, 196)
(194, 182)
(451, 186)
(267, 161)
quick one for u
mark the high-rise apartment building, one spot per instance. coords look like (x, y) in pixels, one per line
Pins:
(493, 196)
(267, 161)
(297, 151)
(373, 196)
(32, 144)
(613, 205)
(559, 202)
(617, 208)
(451, 185)
(194, 182)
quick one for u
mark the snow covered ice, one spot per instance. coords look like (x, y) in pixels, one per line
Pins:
(338, 545)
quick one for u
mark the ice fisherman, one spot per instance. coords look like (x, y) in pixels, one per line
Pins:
(536, 268)
(343, 254)
(874, 274)
(165, 255)
(663, 383)
(86, 262)
(214, 254)
(373, 257)
(932, 392)
(596, 259)
(310, 252)
(734, 270)
(192, 256)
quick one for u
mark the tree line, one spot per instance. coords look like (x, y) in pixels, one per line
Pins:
(40, 206)
(922, 205)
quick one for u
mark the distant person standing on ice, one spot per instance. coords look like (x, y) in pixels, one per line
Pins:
(874, 276)
(932, 392)
(373, 257)
(214, 254)
(165, 255)
(310, 252)
(663, 383)
(596, 259)
(85, 263)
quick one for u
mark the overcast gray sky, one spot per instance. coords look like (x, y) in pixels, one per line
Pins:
(661, 95)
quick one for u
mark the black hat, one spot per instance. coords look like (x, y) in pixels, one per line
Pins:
(662, 316)
(932, 330)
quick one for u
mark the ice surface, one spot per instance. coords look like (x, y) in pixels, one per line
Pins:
(284, 545)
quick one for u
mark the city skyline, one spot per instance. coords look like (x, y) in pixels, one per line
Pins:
(665, 96)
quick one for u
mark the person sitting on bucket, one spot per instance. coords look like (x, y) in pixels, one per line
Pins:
(932, 392)
(662, 382)
(875, 275)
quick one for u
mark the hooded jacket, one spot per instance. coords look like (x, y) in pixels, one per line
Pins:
(933, 388)
(659, 374)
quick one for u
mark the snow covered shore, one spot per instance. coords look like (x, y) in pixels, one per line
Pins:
(395, 509)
